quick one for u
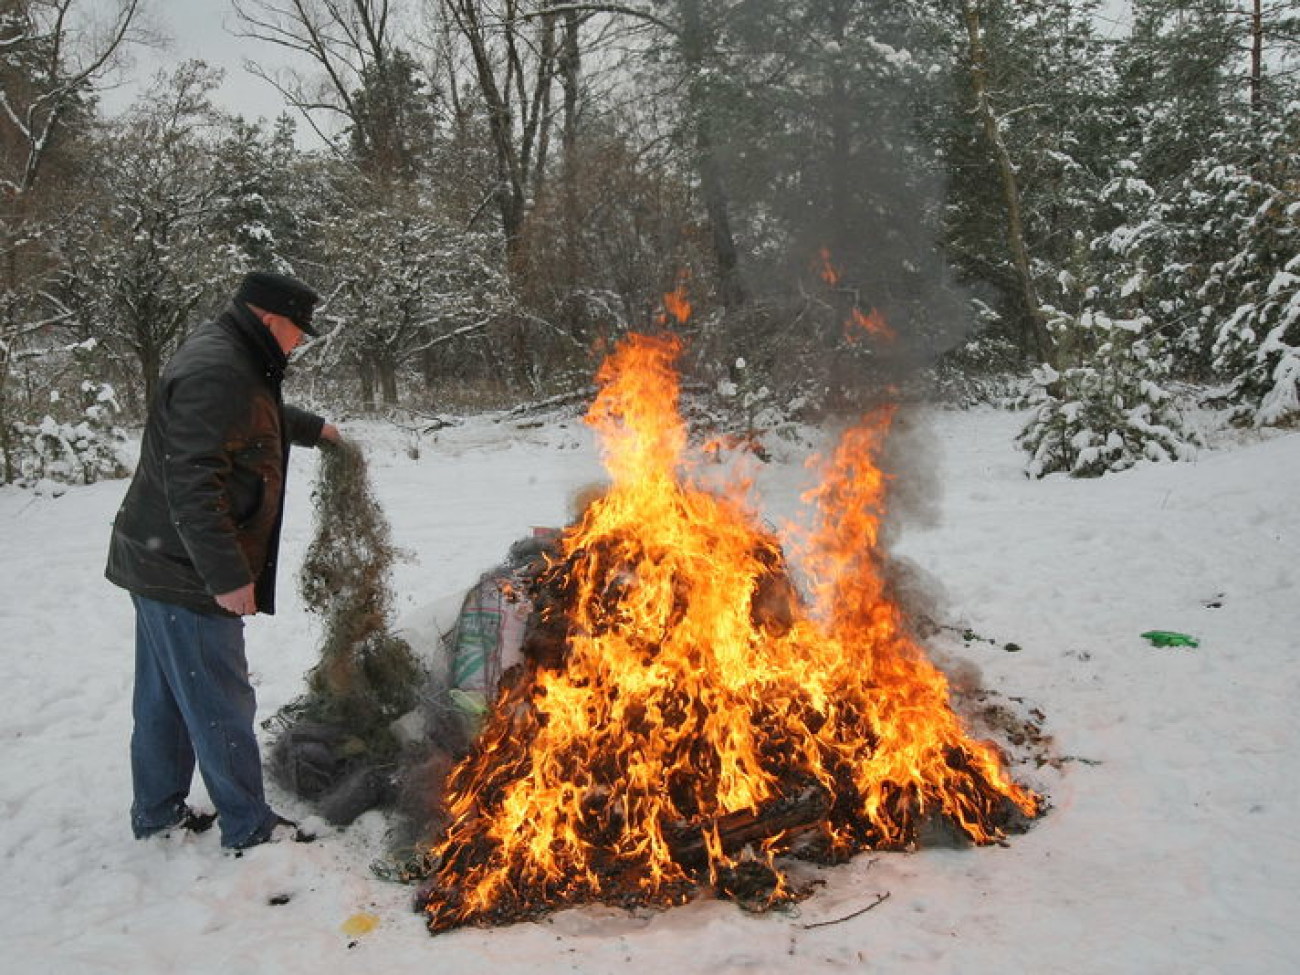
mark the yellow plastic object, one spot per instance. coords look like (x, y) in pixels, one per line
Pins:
(359, 924)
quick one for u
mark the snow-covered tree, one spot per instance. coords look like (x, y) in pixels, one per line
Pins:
(1254, 294)
(1180, 69)
(1107, 403)
(255, 207)
(175, 217)
(412, 290)
(53, 56)
(1105, 413)
(79, 449)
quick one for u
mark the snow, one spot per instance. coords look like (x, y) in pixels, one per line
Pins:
(1170, 847)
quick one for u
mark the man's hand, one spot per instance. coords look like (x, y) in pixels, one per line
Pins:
(330, 434)
(241, 602)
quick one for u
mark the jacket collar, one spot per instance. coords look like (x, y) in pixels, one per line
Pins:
(239, 319)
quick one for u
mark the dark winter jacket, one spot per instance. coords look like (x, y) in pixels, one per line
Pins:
(202, 515)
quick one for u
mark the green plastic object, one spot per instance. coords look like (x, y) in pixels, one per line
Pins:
(1168, 638)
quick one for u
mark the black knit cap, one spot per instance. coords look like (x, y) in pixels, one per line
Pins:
(282, 295)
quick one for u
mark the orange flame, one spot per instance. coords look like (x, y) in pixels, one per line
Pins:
(871, 322)
(676, 305)
(698, 690)
(826, 269)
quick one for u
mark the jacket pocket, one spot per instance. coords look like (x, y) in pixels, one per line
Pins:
(253, 466)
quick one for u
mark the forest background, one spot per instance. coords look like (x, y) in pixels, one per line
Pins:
(983, 200)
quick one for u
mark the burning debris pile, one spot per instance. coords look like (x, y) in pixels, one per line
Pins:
(685, 717)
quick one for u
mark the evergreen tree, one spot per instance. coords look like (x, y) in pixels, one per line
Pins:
(393, 125)
(1110, 403)
(83, 449)
(817, 198)
(1253, 295)
(819, 103)
(256, 206)
(1109, 410)
(336, 744)
(1181, 72)
(367, 675)
(47, 82)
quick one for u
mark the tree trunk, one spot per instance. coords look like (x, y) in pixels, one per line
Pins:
(429, 368)
(537, 127)
(1256, 59)
(518, 119)
(1037, 341)
(385, 365)
(509, 193)
(366, 377)
(150, 370)
(570, 71)
(8, 335)
(693, 47)
(6, 424)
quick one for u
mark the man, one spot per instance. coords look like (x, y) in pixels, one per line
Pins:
(196, 543)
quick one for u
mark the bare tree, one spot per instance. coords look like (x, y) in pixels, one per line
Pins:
(518, 53)
(47, 77)
(521, 50)
(363, 72)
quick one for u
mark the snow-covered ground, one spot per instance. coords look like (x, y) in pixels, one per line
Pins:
(1171, 846)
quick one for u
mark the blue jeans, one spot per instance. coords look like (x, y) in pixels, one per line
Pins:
(193, 699)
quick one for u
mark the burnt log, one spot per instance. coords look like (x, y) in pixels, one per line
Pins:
(735, 831)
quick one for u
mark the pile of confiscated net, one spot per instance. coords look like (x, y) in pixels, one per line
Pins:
(336, 745)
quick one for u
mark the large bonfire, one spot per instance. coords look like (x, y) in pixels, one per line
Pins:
(699, 718)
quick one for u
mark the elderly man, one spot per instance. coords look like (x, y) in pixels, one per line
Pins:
(196, 543)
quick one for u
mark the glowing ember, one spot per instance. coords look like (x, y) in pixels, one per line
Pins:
(701, 718)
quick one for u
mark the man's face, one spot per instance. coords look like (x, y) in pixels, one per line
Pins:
(288, 335)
